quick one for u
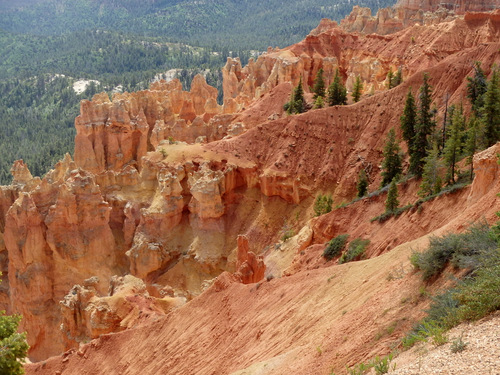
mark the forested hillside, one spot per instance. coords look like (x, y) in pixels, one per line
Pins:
(239, 24)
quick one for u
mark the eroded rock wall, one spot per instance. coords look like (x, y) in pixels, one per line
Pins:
(113, 134)
(371, 56)
(458, 6)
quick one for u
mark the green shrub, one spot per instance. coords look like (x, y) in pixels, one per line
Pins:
(472, 298)
(13, 345)
(356, 249)
(335, 246)
(381, 365)
(465, 250)
(322, 204)
(458, 345)
(480, 295)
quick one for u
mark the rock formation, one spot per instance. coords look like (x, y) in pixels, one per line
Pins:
(169, 190)
(250, 268)
(114, 134)
(268, 325)
(368, 56)
(86, 314)
(412, 12)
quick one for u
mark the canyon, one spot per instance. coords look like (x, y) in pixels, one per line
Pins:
(182, 239)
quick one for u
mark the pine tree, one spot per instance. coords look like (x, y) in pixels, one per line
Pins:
(398, 78)
(390, 79)
(392, 164)
(471, 144)
(392, 202)
(454, 144)
(490, 112)
(363, 183)
(448, 116)
(409, 120)
(13, 345)
(425, 127)
(357, 89)
(322, 204)
(297, 103)
(337, 93)
(319, 102)
(319, 85)
(476, 87)
(431, 177)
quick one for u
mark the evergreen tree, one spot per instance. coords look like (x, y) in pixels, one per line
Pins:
(357, 89)
(392, 202)
(319, 102)
(431, 178)
(322, 204)
(490, 112)
(471, 144)
(425, 127)
(390, 79)
(392, 164)
(476, 87)
(290, 105)
(297, 103)
(454, 144)
(13, 345)
(319, 85)
(337, 93)
(398, 78)
(409, 120)
(447, 124)
(363, 183)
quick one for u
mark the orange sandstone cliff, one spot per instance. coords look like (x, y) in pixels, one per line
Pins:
(412, 12)
(172, 198)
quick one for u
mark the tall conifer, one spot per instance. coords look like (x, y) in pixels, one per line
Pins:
(392, 202)
(476, 87)
(391, 165)
(409, 120)
(319, 85)
(357, 89)
(454, 144)
(425, 127)
(337, 93)
(490, 112)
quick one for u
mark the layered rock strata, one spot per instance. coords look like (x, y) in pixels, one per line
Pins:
(368, 56)
(138, 200)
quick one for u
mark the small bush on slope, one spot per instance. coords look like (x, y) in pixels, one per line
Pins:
(474, 297)
(335, 246)
(356, 249)
(462, 250)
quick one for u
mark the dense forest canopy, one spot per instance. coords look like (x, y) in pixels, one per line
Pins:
(238, 24)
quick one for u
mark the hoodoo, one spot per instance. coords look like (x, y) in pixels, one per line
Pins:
(184, 238)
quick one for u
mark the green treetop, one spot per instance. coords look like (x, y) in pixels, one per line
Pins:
(454, 144)
(431, 177)
(297, 103)
(337, 93)
(392, 202)
(357, 89)
(424, 128)
(392, 164)
(490, 112)
(13, 345)
(319, 85)
(363, 183)
(476, 87)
